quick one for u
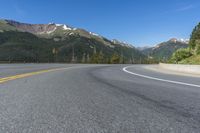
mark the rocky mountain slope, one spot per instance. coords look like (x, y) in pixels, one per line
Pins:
(22, 42)
(164, 51)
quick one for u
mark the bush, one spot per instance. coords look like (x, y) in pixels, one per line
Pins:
(197, 47)
(115, 59)
(180, 55)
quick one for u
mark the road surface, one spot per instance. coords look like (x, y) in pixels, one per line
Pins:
(68, 98)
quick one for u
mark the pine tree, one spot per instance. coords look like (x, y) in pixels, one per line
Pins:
(95, 51)
(88, 58)
(73, 55)
(115, 59)
(83, 58)
(122, 58)
(195, 38)
(101, 57)
(55, 53)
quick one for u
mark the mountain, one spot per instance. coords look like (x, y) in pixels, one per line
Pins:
(190, 55)
(22, 42)
(125, 44)
(164, 50)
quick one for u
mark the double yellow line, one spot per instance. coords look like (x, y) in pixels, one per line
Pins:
(6, 79)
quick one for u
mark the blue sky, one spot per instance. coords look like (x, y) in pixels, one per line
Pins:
(139, 22)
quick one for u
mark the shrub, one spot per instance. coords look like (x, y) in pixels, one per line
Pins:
(180, 55)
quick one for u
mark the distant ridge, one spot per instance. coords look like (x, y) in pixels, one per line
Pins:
(164, 50)
(23, 42)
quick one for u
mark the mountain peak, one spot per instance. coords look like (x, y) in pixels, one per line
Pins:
(115, 41)
(175, 40)
(47, 37)
(64, 27)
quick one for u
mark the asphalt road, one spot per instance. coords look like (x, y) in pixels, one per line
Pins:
(97, 99)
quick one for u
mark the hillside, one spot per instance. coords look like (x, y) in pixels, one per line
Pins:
(164, 51)
(190, 55)
(21, 42)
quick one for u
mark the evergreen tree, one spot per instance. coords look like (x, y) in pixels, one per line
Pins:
(115, 59)
(55, 53)
(197, 47)
(121, 58)
(83, 58)
(193, 50)
(180, 55)
(73, 60)
(101, 57)
(88, 58)
(195, 39)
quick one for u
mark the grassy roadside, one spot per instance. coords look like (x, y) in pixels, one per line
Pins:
(194, 60)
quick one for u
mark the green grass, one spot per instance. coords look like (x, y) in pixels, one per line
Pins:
(6, 27)
(195, 60)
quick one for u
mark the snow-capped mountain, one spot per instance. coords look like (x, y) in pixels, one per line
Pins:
(39, 42)
(39, 28)
(115, 41)
(54, 30)
(175, 40)
(164, 50)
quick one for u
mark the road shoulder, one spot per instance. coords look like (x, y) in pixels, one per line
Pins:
(159, 69)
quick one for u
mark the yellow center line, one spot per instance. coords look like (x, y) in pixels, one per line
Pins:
(6, 79)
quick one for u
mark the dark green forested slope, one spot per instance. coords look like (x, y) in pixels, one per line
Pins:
(163, 51)
(18, 46)
(22, 42)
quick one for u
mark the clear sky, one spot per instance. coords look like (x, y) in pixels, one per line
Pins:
(139, 22)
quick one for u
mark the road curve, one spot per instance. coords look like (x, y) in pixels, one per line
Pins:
(96, 98)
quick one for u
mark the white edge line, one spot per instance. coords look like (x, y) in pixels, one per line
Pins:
(158, 79)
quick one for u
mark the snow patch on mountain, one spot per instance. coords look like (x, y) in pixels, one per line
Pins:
(179, 40)
(71, 33)
(58, 25)
(65, 27)
(123, 43)
(184, 40)
(173, 40)
(94, 34)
